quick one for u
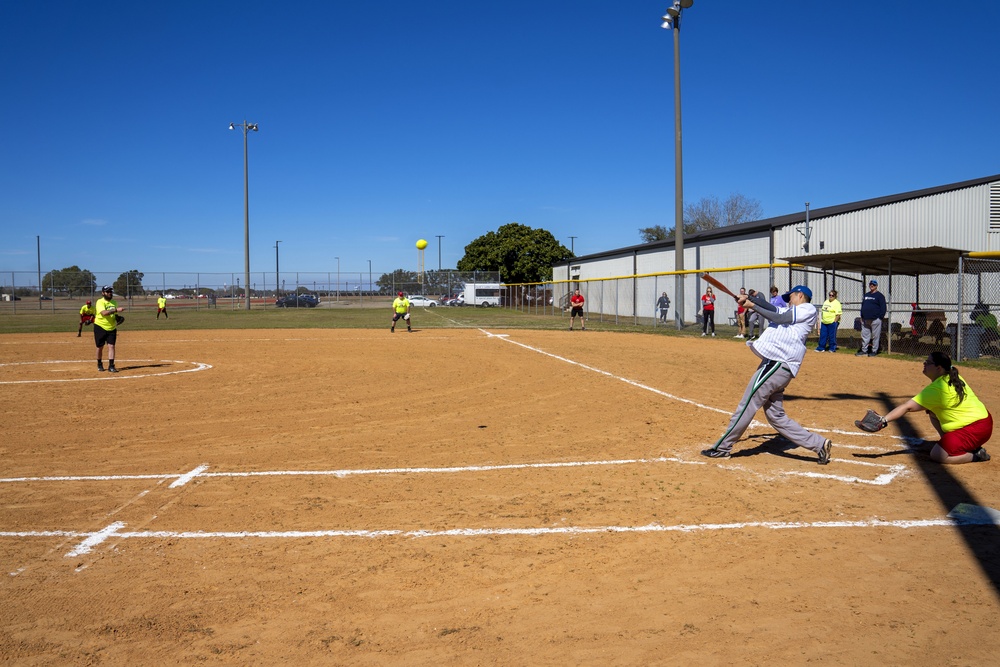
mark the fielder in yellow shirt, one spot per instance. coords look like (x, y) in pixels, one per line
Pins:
(106, 327)
(400, 309)
(161, 307)
(87, 314)
(829, 321)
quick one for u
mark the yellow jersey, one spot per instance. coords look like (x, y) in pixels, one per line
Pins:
(108, 323)
(401, 304)
(941, 398)
(830, 311)
(161, 303)
(88, 310)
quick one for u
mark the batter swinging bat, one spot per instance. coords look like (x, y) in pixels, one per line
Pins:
(718, 285)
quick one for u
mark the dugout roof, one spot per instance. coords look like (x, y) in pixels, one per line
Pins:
(900, 261)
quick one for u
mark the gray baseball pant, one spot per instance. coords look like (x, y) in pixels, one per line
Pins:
(871, 332)
(767, 390)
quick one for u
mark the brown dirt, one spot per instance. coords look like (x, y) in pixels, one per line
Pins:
(720, 593)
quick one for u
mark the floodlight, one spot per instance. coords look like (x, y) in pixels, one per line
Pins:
(232, 127)
(686, 3)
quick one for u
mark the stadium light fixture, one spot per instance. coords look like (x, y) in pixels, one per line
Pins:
(246, 127)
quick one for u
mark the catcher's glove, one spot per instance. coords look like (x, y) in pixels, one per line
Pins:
(119, 319)
(872, 422)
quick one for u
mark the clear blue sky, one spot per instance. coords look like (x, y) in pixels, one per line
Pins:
(385, 122)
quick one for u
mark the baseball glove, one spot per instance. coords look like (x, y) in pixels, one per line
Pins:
(119, 319)
(872, 422)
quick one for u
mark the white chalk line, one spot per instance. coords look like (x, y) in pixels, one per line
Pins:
(202, 472)
(92, 540)
(198, 366)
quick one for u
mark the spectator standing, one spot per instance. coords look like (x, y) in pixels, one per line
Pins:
(87, 314)
(829, 314)
(753, 318)
(576, 308)
(775, 301)
(873, 309)
(707, 311)
(663, 305)
(741, 315)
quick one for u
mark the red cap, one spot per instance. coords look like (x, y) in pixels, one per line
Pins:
(400, 294)
(88, 303)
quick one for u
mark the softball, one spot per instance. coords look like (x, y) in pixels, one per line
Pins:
(421, 244)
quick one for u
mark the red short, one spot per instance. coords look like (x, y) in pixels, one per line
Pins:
(968, 438)
(86, 319)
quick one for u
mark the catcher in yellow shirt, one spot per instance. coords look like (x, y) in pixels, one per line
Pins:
(106, 327)
(400, 309)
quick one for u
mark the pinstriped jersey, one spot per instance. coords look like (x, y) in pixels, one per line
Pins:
(787, 342)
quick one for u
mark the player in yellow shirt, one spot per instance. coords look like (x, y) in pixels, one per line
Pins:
(161, 307)
(106, 327)
(400, 309)
(956, 413)
(87, 314)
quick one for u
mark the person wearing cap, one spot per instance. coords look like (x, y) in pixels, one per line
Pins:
(161, 307)
(872, 311)
(106, 327)
(400, 309)
(830, 313)
(87, 314)
(781, 348)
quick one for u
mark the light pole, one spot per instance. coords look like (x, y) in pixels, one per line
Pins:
(277, 273)
(370, 279)
(572, 244)
(338, 278)
(246, 127)
(439, 237)
(672, 21)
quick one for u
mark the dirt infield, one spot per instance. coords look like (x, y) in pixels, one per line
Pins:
(456, 497)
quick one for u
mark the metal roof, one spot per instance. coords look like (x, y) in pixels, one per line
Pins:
(905, 261)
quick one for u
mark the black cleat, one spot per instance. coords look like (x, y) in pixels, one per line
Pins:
(714, 453)
(824, 452)
(112, 369)
(980, 455)
(100, 368)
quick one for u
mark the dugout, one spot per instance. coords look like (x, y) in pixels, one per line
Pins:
(948, 285)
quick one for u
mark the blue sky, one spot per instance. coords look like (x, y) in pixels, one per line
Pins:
(385, 122)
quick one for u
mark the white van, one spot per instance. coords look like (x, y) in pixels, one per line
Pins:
(482, 294)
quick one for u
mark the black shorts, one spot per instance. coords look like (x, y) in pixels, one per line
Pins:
(577, 310)
(396, 316)
(104, 337)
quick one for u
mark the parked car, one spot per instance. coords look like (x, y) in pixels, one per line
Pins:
(300, 301)
(45, 298)
(423, 301)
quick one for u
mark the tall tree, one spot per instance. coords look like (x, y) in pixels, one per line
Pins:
(521, 254)
(709, 213)
(129, 283)
(72, 280)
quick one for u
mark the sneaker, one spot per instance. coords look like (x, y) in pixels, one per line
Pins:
(739, 336)
(824, 452)
(980, 455)
(583, 328)
(100, 368)
(713, 334)
(860, 353)
(820, 350)
(409, 330)
(872, 354)
(714, 453)
(112, 369)
(392, 329)
(704, 334)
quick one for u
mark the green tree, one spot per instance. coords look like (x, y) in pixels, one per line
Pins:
(398, 280)
(709, 213)
(73, 280)
(129, 283)
(521, 254)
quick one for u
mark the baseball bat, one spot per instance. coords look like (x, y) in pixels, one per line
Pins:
(718, 285)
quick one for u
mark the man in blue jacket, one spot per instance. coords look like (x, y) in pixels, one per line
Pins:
(872, 311)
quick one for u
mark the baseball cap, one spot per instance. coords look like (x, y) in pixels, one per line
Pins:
(88, 303)
(873, 282)
(107, 288)
(400, 294)
(798, 288)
